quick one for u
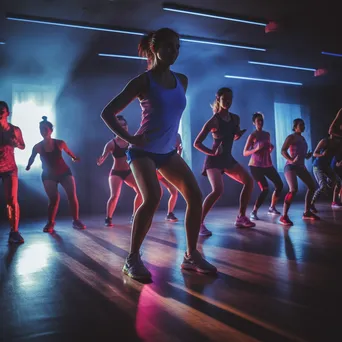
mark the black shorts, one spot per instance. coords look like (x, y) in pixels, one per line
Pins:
(55, 178)
(123, 174)
(158, 158)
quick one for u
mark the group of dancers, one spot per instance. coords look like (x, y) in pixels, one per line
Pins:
(152, 157)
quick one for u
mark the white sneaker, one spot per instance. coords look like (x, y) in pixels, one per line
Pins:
(204, 231)
(244, 222)
(196, 262)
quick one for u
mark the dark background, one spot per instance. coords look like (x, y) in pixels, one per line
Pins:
(66, 58)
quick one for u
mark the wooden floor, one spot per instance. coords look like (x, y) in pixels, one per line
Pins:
(274, 284)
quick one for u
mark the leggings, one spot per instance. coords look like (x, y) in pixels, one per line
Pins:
(259, 174)
(291, 173)
(326, 178)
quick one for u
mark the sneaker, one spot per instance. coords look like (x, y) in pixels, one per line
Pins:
(135, 268)
(254, 216)
(108, 222)
(15, 237)
(336, 205)
(244, 222)
(196, 262)
(273, 211)
(171, 217)
(49, 227)
(77, 224)
(313, 208)
(204, 231)
(310, 216)
(285, 221)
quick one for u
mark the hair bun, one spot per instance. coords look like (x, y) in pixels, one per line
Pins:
(44, 118)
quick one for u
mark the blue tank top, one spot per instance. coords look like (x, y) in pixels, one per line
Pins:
(162, 110)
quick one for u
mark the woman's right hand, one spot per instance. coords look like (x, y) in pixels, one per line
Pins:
(218, 151)
(138, 140)
(295, 159)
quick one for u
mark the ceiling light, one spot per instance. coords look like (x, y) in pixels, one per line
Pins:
(282, 66)
(121, 56)
(262, 80)
(200, 13)
(331, 54)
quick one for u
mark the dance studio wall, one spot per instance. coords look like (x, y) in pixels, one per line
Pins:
(93, 81)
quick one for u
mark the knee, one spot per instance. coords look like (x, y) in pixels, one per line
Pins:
(195, 197)
(217, 193)
(152, 199)
(278, 188)
(249, 183)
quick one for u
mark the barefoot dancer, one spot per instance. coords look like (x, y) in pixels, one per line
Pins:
(10, 138)
(170, 188)
(225, 128)
(55, 171)
(295, 167)
(259, 147)
(120, 173)
(161, 93)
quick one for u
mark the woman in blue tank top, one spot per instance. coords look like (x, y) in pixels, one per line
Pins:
(161, 94)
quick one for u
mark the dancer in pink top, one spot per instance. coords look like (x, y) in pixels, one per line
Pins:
(259, 147)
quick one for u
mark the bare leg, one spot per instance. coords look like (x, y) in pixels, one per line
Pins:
(68, 183)
(216, 182)
(144, 172)
(173, 195)
(291, 178)
(307, 179)
(115, 184)
(178, 173)
(11, 197)
(130, 181)
(51, 190)
(239, 174)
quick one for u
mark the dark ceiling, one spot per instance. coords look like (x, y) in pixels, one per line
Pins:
(305, 29)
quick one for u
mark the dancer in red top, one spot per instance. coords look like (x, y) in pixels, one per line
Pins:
(170, 188)
(10, 138)
(120, 173)
(55, 171)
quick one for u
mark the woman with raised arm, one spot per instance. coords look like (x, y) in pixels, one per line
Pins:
(119, 174)
(335, 129)
(55, 171)
(259, 147)
(10, 138)
(295, 151)
(225, 129)
(161, 94)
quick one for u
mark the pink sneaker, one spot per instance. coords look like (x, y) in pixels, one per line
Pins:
(244, 222)
(204, 231)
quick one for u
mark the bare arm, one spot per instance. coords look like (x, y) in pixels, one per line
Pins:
(321, 145)
(285, 147)
(334, 128)
(207, 128)
(248, 150)
(32, 158)
(133, 89)
(109, 148)
(18, 140)
(66, 149)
